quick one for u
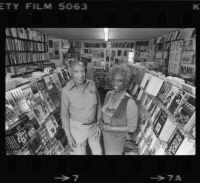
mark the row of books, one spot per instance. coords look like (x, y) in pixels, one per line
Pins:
(178, 35)
(165, 110)
(39, 94)
(26, 33)
(14, 58)
(21, 45)
(29, 115)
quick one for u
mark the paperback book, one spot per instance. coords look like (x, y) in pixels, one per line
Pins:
(185, 113)
(170, 96)
(35, 91)
(20, 100)
(164, 91)
(57, 148)
(176, 101)
(28, 95)
(50, 127)
(159, 123)
(175, 142)
(187, 147)
(49, 104)
(35, 144)
(10, 114)
(46, 139)
(41, 112)
(18, 134)
(41, 83)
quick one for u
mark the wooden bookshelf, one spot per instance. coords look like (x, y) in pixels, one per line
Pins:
(22, 49)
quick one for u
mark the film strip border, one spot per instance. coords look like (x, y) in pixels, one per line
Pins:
(111, 14)
(112, 169)
(98, 14)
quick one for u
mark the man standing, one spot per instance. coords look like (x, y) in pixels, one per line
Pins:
(80, 112)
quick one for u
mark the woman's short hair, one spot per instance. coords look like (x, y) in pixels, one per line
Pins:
(123, 69)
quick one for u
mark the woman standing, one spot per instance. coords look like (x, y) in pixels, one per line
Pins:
(120, 113)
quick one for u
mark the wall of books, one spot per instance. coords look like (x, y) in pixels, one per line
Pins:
(32, 117)
(26, 50)
(175, 53)
(166, 114)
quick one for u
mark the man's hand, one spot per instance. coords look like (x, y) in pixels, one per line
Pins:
(71, 141)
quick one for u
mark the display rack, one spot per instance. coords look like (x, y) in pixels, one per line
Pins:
(33, 116)
(166, 115)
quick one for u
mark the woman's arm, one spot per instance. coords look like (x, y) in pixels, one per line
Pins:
(108, 127)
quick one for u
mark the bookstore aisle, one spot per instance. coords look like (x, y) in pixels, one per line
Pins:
(162, 84)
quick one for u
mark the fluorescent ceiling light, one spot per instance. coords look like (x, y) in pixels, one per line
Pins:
(106, 34)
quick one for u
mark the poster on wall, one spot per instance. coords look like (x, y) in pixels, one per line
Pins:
(50, 43)
(56, 54)
(187, 70)
(65, 44)
(51, 55)
(56, 45)
(64, 55)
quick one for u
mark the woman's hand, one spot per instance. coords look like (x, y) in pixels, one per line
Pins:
(107, 127)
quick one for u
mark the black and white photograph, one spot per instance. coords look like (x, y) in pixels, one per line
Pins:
(136, 97)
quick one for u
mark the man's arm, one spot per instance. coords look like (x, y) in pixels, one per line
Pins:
(65, 113)
(99, 114)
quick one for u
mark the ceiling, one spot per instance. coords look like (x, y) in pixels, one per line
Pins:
(98, 33)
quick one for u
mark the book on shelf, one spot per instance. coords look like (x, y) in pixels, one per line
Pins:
(151, 140)
(185, 114)
(57, 81)
(57, 148)
(11, 115)
(20, 100)
(152, 107)
(35, 144)
(54, 121)
(49, 104)
(44, 94)
(24, 151)
(176, 101)
(147, 102)
(43, 150)
(187, 147)
(60, 76)
(48, 82)
(145, 80)
(170, 96)
(50, 127)
(41, 112)
(18, 134)
(158, 148)
(167, 130)
(160, 122)
(164, 91)
(46, 139)
(175, 142)
(32, 125)
(154, 85)
(41, 84)
(35, 90)
(28, 95)
(155, 113)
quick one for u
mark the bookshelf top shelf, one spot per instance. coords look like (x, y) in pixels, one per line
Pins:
(23, 39)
